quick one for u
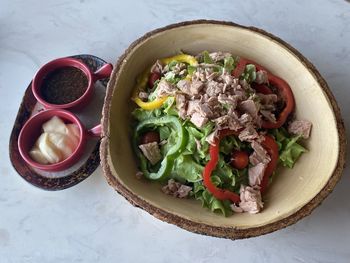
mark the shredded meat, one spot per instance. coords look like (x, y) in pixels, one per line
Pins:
(261, 77)
(157, 67)
(198, 120)
(211, 137)
(192, 107)
(151, 151)
(195, 87)
(249, 134)
(268, 115)
(204, 110)
(181, 105)
(249, 106)
(176, 189)
(250, 199)
(245, 119)
(259, 155)
(165, 88)
(300, 127)
(143, 95)
(256, 174)
(217, 56)
(267, 98)
(214, 88)
(184, 86)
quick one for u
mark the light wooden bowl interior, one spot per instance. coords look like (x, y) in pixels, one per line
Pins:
(292, 190)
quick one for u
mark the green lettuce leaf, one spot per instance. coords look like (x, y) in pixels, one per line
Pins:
(229, 64)
(291, 152)
(209, 201)
(171, 138)
(289, 148)
(164, 132)
(169, 107)
(230, 178)
(206, 58)
(172, 64)
(199, 155)
(191, 69)
(230, 143)
(249, 73)
(186, 168)
(140, 114)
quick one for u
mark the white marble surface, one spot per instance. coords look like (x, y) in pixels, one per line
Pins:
(91, 222)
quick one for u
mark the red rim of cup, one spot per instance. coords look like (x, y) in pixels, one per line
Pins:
(33, 126)
(56, 64)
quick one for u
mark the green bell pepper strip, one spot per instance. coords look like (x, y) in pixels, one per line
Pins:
(168, 161)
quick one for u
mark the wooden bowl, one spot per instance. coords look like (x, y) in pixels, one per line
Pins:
(293, 194)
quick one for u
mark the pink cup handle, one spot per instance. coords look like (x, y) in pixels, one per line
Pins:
(95, 131)
(103, 72)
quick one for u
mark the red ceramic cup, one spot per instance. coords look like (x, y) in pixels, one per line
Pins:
(104, 72)
(33, 128)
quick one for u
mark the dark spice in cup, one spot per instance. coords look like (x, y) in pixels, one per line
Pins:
(64, 85)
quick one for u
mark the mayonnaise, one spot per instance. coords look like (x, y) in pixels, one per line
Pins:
(57, 142)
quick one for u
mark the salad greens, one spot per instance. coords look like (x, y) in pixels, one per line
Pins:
(184, 146)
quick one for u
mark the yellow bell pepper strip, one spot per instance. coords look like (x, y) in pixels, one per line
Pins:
(155, 104)
(142, 82)
(181, 58)
(191, 60)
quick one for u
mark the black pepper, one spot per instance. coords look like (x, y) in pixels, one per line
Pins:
(64, 85)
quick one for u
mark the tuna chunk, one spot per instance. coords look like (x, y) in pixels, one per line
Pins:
(212, 76)
(267, 98)
(151, 151)
(195, 87)
(261, 77)
(248, 134)
(198, 120)
(217, 56)
(259, 155)
(245, 85)
(214, 88)
(184, 86)
(256, 174)
(176, 189)
(212, 101)
(165, 88)
(143, 95)
(300, 127)
(181, 105)
(222, 122)
(204, 110)
(211, 137)
(233, 121)
(268, 115)
(227, 78)
(236, 208)
(245, 119)
(157, 67)
(249, 106)
(230, 100)
(178, 68)
(250, 199)
(192, 107)
(199, 75)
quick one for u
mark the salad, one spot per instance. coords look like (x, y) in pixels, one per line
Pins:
(214, 127)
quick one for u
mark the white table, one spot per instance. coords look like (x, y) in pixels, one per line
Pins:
(91, 222)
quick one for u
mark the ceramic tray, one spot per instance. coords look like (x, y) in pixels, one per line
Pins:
(89, 116)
